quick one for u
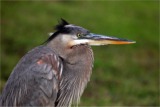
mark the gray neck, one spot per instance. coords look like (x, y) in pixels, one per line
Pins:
(76, 74)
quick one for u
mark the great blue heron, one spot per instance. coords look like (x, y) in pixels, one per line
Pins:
(55, 73)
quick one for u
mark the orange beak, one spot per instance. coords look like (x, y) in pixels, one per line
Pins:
(94, 39)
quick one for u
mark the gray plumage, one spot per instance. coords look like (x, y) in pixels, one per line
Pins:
(56, 73)
(33, 84)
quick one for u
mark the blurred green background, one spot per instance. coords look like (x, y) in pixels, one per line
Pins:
(123, 75)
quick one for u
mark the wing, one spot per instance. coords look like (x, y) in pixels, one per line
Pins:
(35, 80)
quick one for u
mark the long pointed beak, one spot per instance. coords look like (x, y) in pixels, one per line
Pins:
(95, 39)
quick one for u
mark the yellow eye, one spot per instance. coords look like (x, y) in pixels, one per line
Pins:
(79, 35)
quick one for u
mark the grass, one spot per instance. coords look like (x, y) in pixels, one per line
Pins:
(123, 75)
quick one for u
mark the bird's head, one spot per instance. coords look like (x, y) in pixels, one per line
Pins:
(72, 35)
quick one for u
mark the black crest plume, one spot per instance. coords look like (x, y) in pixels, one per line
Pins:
(59, 28)
(61, 24)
